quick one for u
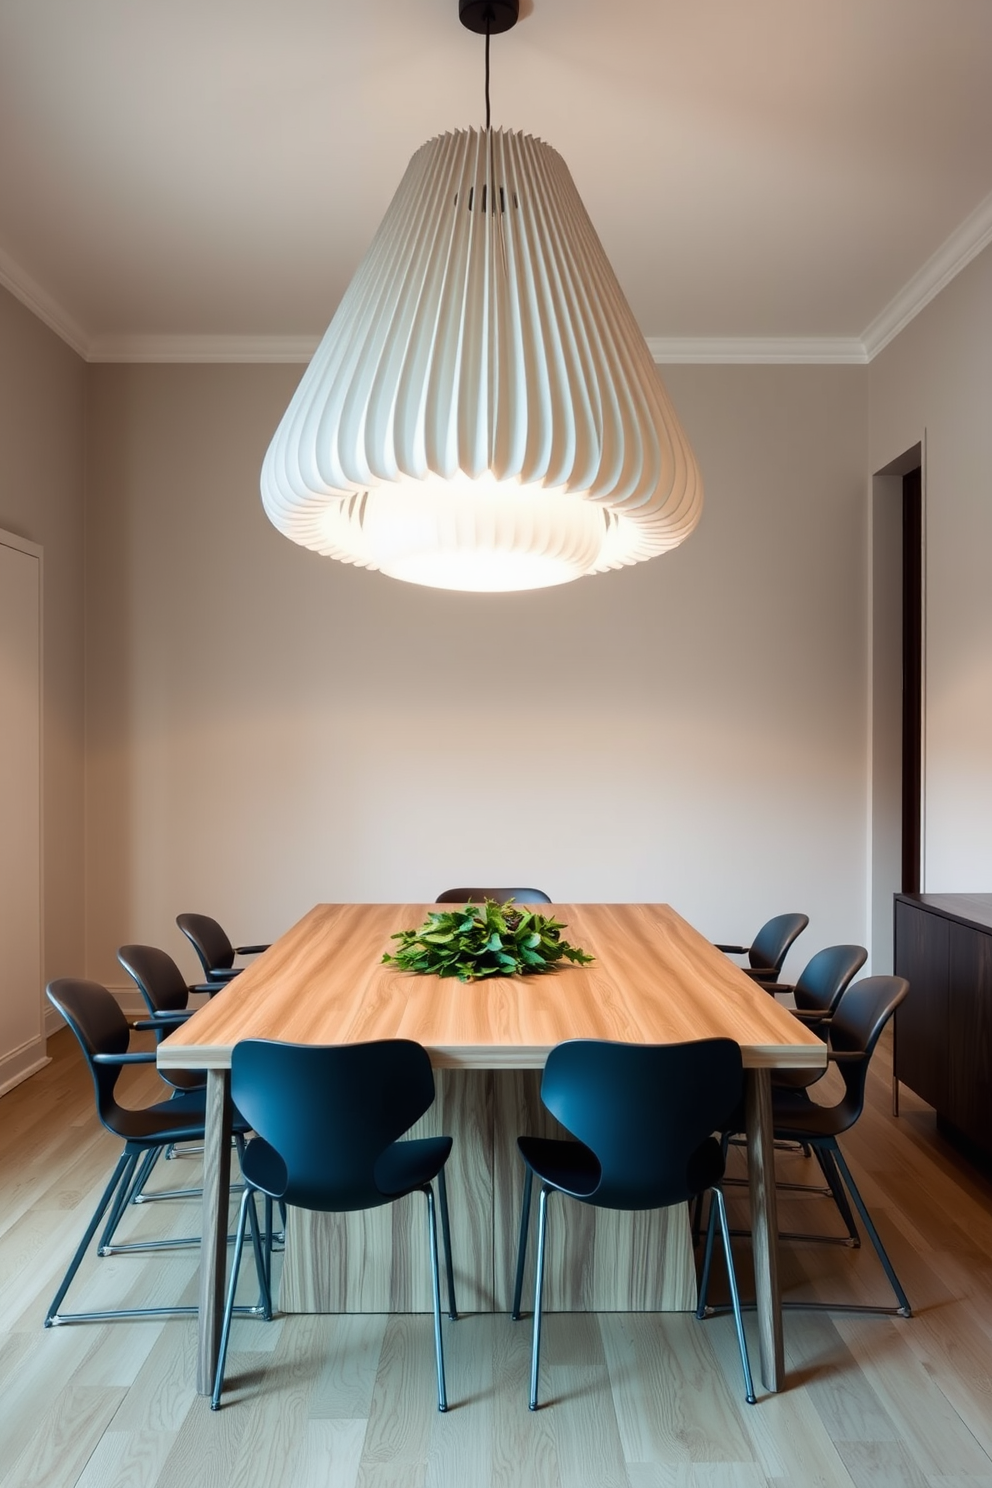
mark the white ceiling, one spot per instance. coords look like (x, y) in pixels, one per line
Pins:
(201, 177)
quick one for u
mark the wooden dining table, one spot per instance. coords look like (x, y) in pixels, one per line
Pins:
(654, 979)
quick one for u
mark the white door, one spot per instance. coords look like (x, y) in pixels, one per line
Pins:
(22, 1043)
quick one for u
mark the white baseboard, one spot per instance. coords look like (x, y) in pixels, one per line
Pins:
(21, 1063)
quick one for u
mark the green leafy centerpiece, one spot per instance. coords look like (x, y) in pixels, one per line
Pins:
(484, 940)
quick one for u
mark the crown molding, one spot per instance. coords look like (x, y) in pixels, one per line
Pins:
(757, 349)
(288, 349)
(40, 303)
(954, 254)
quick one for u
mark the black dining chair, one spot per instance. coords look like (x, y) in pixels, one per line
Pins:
(643, 1116)
(166, 995)
(769, 948)
(855, 1028)
(479, 896)
(213, 947)
(327, 1123)
(817, 991)
(103, 1035)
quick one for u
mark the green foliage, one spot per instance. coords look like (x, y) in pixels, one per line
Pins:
(484, 941)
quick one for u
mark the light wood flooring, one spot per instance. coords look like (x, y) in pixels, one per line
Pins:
(633, 1400)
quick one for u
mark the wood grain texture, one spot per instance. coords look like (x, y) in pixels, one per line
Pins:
(654, 980)
(764, 1224)
(213, 1245)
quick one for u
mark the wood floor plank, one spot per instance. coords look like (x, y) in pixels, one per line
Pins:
(403, 1406)
(348, 1348)
(939, 1439)
(66, 1436)
(525, 1450)
(462, 1438)
(328, 1454)
(672, 1402)
(127, 1459)
(696, 1475)
(645, 1400)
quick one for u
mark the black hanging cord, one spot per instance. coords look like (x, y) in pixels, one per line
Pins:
(489, 17)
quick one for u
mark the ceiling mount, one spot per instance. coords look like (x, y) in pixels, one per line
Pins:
(494, 15)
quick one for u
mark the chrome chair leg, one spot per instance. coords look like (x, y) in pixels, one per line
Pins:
(442, 1397)
(829, 1170)
(522, 1244)
(704, 1280)
(442, 1193)
(122, 1197)
(239, 1241)
(735, 1300)
(126, 1161)
(904, 1308)
(535, 1357)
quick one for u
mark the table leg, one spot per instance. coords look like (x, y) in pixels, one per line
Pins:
(213, 1246)
(764, 1225)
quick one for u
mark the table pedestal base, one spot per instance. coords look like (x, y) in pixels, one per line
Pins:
(598, 1260)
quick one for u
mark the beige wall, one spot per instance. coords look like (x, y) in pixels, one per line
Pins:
(934, 382)
(267, 728)
(42, 395)
(264, 728)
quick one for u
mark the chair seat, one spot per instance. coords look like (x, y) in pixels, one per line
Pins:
(569, 1166)
(177, 1120)
(573, 1168)
(186, 1080)
(403, 1168)
(796, 1118)
(407, 1166)
(795, 1079)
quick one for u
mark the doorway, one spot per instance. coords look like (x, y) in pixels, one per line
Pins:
(896, 693)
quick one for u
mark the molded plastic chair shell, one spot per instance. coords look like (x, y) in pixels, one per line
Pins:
(102, 1032)
(211, 944)
(855, 1028)
(643, 1116)
(767, 952)
(479, 896)
(817, 992)
(166, 996)
(327, 1121)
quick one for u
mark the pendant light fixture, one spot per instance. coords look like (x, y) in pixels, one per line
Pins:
(483, 412)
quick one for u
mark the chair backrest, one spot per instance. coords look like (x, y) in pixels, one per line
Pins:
(771, 944)
(157, 977)
(859, 1017)
(825, 976)
(209, 940)
(330, 1112)
(478, 896)
(95, 1018)
(643, 1110)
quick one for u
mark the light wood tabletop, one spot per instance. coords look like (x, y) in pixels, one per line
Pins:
(654, 980)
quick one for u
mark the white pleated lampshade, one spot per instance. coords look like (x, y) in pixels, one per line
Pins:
(483, 412)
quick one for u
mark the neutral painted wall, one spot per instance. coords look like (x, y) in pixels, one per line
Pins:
(267, 728)
(42, 405)
(934, 382)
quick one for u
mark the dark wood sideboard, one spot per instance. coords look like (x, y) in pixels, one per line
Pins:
(943, 1049)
